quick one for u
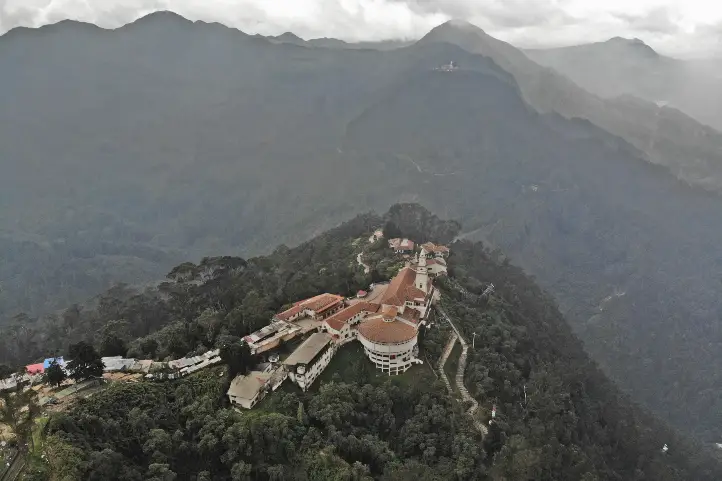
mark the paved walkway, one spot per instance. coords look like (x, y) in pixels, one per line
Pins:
(465, 396)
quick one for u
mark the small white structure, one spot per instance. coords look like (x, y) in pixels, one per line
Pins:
(247, 391)
(271, 336)
(378, 234)
(310, 359)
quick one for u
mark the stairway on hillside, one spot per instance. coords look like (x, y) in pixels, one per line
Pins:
(444, 357)
(465, 396)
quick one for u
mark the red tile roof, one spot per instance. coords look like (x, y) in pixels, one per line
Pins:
(289, 313)
(317, 304)
(431, 247)
(396, 292)
(379, 330)
(411, 315)
(337, 321)
(389, 312)
(402, 289)
(322, 302)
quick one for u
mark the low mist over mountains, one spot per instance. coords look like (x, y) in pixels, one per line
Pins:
(630, 67)
(130, 150)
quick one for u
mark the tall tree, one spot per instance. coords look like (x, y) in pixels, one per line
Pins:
(85, 361)
(55, 374)
(112, 345)
(237, 356)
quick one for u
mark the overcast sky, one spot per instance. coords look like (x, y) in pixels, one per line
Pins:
(675, 27)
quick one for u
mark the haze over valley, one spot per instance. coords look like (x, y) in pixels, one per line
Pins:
(597, 169)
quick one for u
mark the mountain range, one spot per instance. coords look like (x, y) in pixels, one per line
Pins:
(133, 149)
(620, 67)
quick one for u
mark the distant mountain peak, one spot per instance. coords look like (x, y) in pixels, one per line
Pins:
(457, 32)
(634, 43)
(458, 25)
(162, 17)
(289, 36)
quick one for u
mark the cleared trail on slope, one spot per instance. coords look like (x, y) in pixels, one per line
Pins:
(465, 396)
(445, 357)
(359, 259)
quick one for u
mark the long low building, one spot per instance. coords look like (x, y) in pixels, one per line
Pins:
(309, 360)
(271, 336)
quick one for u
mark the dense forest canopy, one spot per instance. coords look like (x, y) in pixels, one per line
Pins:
(558, 417)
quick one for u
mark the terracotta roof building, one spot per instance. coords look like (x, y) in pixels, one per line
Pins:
(339, 325)
(386, 330)
(402, 245)
(390, 337)
(317, 307)
(389, 342)
(435, 250)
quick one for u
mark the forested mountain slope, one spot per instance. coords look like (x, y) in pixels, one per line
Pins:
(690, 149)
(622, 66)
(128, 151)
(572, 425)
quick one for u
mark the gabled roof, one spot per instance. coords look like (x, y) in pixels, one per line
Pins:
(402, 289)
(338, 320)
(317, 304)
(401, 244)
(431, 247)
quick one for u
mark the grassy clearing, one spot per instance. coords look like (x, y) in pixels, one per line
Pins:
(350, 364)
(39, 434)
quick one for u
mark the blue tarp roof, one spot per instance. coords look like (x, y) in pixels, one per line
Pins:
(46, 363)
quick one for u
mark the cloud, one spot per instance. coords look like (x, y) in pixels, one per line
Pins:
(671, 26)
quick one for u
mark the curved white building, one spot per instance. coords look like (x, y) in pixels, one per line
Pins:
(390, 343)
(390, 337)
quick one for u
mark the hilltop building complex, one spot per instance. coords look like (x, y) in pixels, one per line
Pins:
(386, 324)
